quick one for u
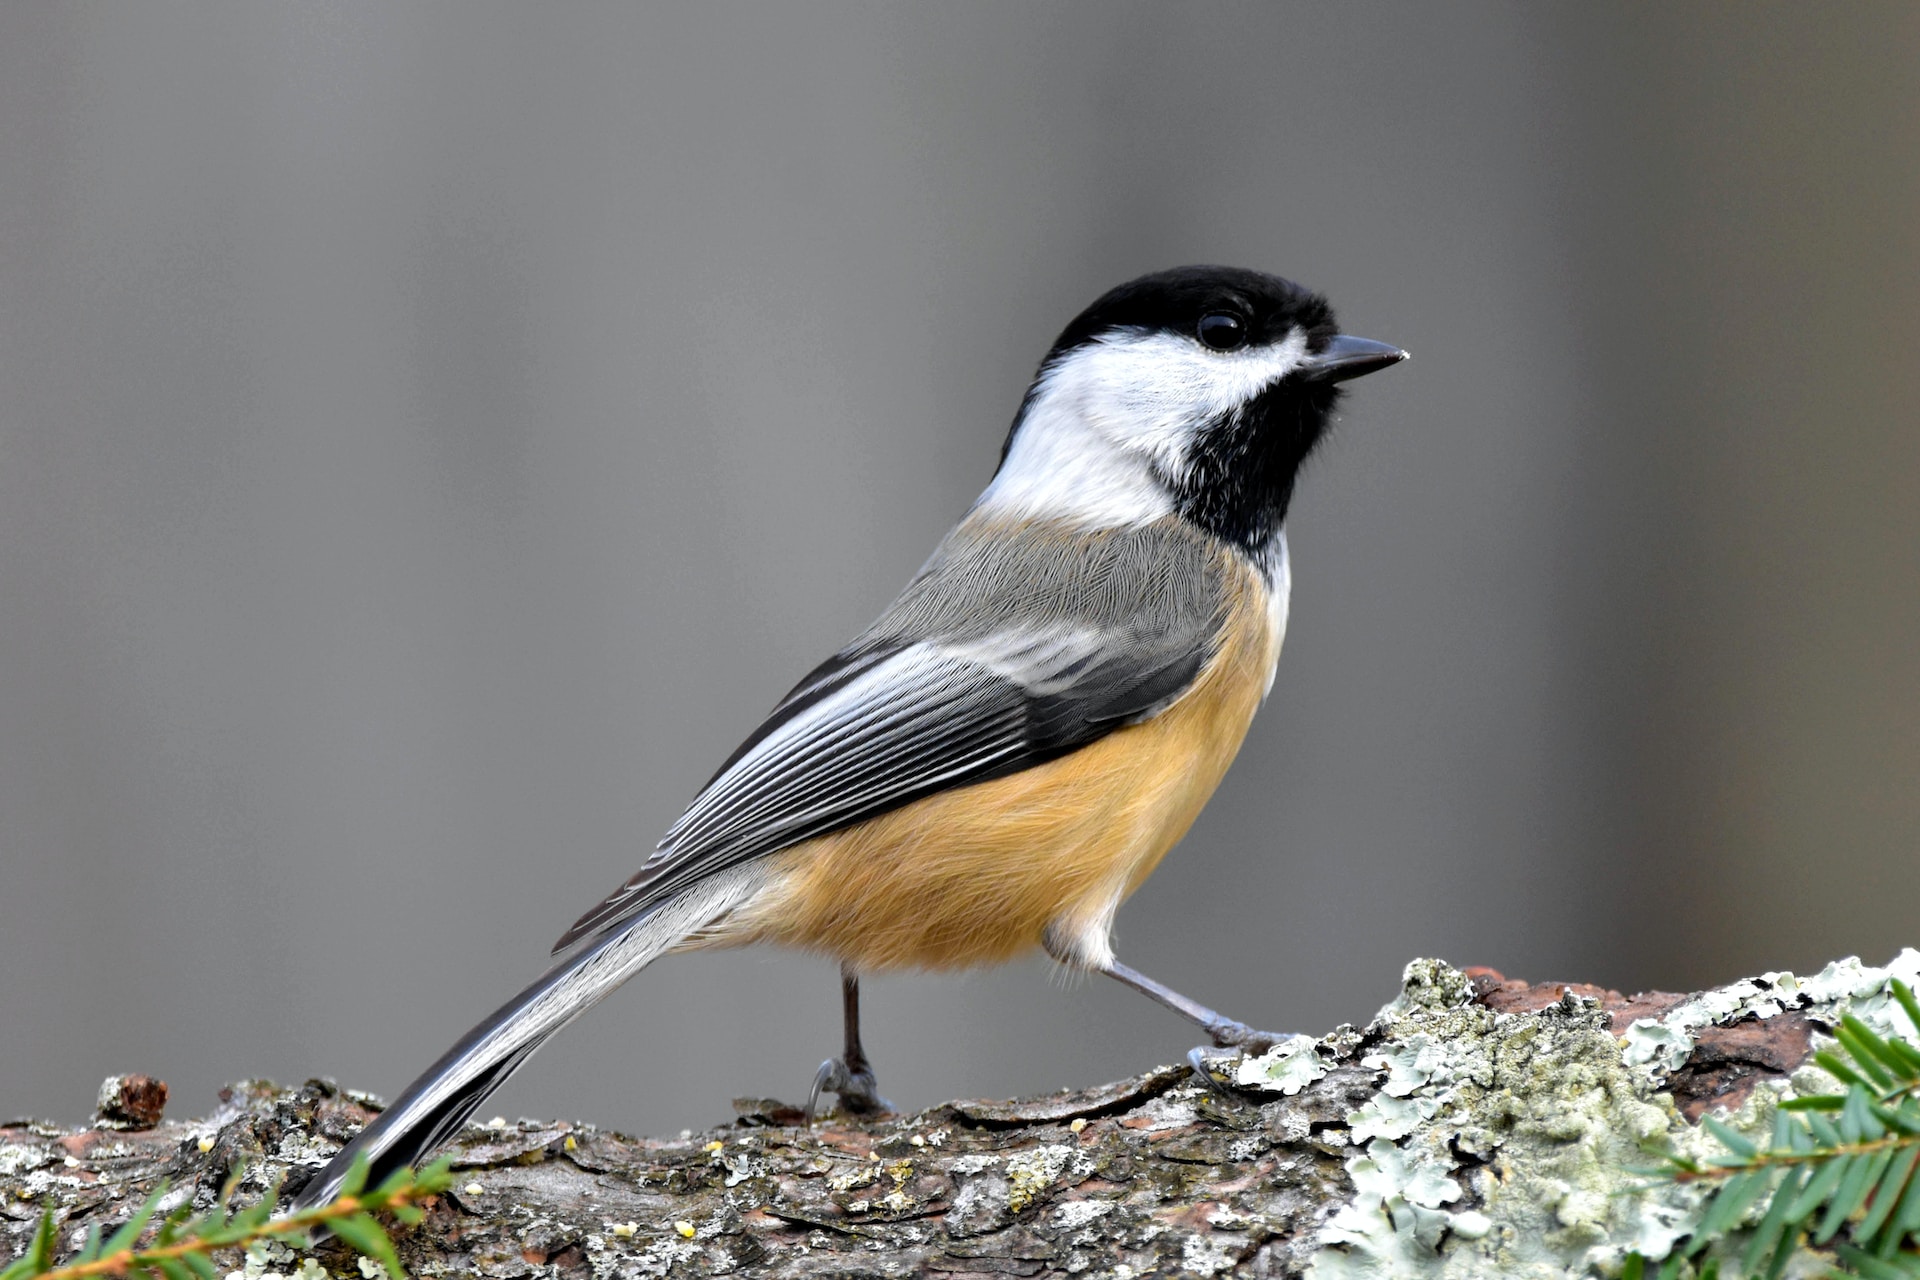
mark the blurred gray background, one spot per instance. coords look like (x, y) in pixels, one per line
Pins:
(431, 436)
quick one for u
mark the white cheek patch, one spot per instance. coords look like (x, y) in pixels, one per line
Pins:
(1109, 420)
(1155, 389)
(1061, 468)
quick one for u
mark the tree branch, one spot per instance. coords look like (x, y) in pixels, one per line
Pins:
(1476, 1126)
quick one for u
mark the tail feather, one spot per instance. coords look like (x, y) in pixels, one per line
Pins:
(434, 1107)
(408, 1148)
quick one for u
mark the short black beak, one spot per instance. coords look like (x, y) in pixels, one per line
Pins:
(1346, 356)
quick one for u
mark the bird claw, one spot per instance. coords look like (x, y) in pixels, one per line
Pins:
(857, 1090)
(1229, 1034)
(1244, 1040)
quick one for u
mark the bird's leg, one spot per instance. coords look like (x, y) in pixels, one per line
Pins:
(1072, 949)
(1226, 1033)
(850, 1075)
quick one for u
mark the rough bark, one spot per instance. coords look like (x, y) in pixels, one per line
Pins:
(1478, 1126)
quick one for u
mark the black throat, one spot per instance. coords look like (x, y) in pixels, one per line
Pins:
(1242, 466)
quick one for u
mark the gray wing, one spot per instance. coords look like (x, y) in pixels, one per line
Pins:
(871, 731)
(947, 688)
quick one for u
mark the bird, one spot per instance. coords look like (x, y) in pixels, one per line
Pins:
(1008, 751)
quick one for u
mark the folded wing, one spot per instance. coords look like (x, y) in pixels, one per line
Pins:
(1014, 646)
(871, 731)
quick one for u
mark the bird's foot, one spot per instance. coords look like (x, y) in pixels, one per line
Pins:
(855, 1086)
(1229, 1034)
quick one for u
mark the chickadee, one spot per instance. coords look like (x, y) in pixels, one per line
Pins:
(1012, 747)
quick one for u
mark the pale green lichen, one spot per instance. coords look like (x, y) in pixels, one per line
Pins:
(1287, 1068)
(1516, 1144)
(1383, 1116)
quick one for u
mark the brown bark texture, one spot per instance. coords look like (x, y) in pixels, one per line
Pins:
(1472, 1128)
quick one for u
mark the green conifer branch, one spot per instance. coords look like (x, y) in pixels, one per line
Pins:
(181, 1247)
(1838, 1171)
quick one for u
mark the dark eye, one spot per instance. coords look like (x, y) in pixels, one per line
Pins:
(1222, 330)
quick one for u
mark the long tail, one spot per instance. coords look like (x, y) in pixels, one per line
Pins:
(434, 1107)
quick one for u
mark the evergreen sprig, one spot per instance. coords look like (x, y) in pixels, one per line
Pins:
(1838, 1170)
(180, 1249)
